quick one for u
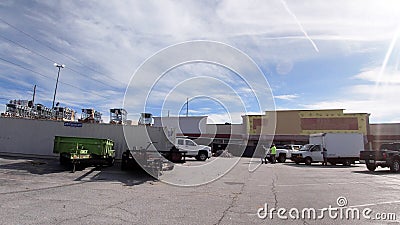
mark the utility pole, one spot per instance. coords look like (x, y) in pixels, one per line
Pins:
(34, 93)
(187, 107)
(58, 76)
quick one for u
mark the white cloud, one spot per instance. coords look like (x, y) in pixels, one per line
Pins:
(115, 37)
(378, 97)
(389, 76)
(221, 118)
(380, 110)
(286, 97)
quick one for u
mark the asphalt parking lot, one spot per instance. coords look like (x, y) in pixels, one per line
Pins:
(39, 191)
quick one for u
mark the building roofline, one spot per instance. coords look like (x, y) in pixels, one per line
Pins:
(179, 116)
(384, 124)
(284, 110)
(307, 110)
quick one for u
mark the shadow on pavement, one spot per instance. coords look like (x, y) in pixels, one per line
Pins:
(30, 165)
(318, 166)
(115, 174)
(23, 165)
(302, 165)
(377, 172)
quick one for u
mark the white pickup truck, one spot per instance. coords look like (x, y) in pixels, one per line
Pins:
(200, 152)
(284, 152)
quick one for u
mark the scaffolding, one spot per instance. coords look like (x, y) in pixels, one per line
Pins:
(64, 114)
(118, 116)
(146, 119)
(90, 116)
(26, 109)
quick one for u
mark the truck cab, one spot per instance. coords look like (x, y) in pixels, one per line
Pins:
(388, 155)
(308, 153)
(200, 152)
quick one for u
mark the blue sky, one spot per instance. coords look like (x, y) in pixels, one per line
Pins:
(314, 54)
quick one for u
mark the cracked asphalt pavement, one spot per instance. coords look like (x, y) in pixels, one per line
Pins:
(39, 191)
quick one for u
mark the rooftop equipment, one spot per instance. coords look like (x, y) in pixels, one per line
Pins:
(118, 116)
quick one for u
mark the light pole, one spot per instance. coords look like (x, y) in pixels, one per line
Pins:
(58, 75)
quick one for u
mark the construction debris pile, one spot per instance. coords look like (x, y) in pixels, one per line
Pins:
(27, 109)
(223, 154)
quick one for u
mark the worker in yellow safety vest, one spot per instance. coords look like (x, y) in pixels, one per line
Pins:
(273, 153)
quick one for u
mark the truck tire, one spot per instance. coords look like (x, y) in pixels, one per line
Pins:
(73, 169)
(176, 157)
(110, 161)
(202, 156)
(371, 167)
(124, 162)
(63, 161)
(282, 158)
(347, 162)
(395, 166)
(308, 161)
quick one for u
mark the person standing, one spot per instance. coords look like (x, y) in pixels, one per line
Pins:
(325, 156)
(265, 156)
(273, 153)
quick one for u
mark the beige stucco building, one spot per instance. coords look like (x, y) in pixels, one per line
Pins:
(294, 126)
(290, 127)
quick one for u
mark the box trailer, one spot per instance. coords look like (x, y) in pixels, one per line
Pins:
(341, 148)
(85, 151)
(154, 153)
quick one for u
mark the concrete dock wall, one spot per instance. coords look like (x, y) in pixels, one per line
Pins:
(36, 137)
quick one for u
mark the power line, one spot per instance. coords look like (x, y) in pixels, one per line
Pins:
(38, 90)
(59, 52)
(16, 43)
(98, 81)
(20, 66)
(47, 58)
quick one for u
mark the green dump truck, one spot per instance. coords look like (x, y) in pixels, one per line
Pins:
(84, 151)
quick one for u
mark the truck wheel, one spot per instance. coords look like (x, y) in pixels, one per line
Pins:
(110, 161)
(282, 158)
(371, 167)
(347, 162)
(308, 161)
(63, 161)
(176, 157)
(201, 156)
(395, 167)
(73, 167)
(124, 162)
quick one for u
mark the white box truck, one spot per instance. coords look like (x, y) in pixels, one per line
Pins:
(342, 148)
